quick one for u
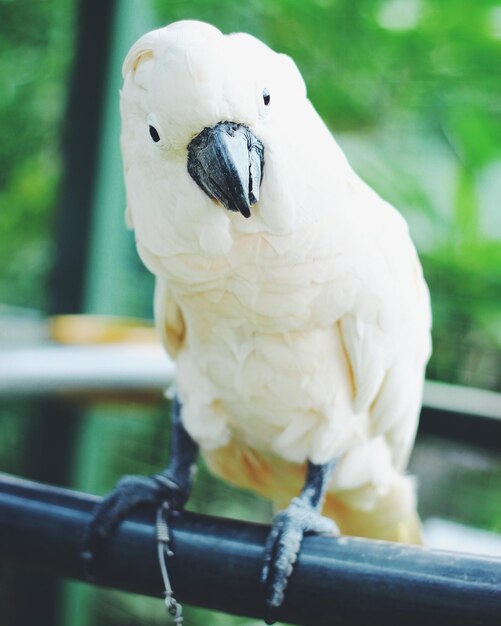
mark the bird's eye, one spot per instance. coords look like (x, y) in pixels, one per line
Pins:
(266, 97)
(154, 134)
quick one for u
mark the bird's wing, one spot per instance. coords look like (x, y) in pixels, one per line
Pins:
(387, 350)
(386, 386)
(168, 318)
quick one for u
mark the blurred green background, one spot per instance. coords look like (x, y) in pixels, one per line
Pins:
(412, 91)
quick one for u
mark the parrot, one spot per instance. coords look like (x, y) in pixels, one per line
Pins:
(287, 291)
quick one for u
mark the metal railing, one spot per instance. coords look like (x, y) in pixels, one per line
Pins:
(216, 564)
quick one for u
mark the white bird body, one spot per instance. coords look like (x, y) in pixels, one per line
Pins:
(301, 333)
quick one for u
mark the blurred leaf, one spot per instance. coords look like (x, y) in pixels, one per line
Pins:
(475, 134)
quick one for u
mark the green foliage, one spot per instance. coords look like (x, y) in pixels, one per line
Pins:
(35, 54)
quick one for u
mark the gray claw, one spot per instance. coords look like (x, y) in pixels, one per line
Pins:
(283, 545)
(129, 493)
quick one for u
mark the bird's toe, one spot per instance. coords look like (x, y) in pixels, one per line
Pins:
(283, 545)
(129, 493)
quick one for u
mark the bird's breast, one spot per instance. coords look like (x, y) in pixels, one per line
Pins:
(270, 284)
(259, 362)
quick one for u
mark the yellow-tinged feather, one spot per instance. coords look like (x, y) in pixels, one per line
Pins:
(362, 512)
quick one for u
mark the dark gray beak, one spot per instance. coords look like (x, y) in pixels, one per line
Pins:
(226, 161)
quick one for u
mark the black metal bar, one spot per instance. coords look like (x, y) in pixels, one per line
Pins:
(82, 138)
(217, 564)
(469, 428)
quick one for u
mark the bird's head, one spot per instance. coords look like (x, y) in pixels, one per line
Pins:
(200, 114)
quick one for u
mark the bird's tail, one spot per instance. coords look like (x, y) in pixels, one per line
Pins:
(391, 516)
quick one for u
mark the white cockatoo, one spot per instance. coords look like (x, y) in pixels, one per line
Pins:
(288, 292)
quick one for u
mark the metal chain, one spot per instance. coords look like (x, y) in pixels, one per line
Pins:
(174, 609)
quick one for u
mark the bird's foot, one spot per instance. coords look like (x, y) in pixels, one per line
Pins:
(130, 492)
(282, 548)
